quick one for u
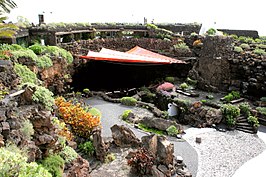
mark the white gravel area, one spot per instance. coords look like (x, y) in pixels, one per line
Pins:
(220, 154)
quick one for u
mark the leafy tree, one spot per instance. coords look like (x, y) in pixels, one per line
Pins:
(6, 30)
(7, 5)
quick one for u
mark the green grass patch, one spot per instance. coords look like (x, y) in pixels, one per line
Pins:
(151, 130)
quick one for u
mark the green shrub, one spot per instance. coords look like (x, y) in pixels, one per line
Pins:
(27, 129)
(170, 79)
(25, 74)
(238, 49)
(232, 96)
(53, 51)
(37, 48)
(193, 34)
(246, 39)
(12, 47)
(78, 94)
(259, 51)
(172, 130)
(250, 40)
(67, 55)
(235, 94)
(257, 40)
(183, 86)
(203, 101)
(16, 47)
(211, 31)
(262, 46)
(253, 120)
(14, 163)
(42, 95)
(263, 99)
(59, 52)
(54, 164)
(125, 114)
(151, 26)
(182, 47)
(25, 53)
(230, 112)
(109, 158)
(95, 112)
(33, 169)
(245, 109)
(11, 162)
(44, 62)
(234, 36)
(87, 148)
(262, 110)
(86, 91)
(68, 154)
(128, 101)
(245, 46)
(229, 97)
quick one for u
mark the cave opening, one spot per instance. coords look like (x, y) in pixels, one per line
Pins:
(111, 76)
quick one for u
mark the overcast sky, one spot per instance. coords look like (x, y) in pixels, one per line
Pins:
(232, 14)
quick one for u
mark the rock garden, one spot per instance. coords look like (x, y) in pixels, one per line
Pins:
(49, 128)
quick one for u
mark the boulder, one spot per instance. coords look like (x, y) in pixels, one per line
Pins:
(33, 151)
(213, 116)
(166, 86)
(124, 137)
(160, 124)
(78, 167)
(5, 129)
(160, 148)
(100, 147)
(26, 97)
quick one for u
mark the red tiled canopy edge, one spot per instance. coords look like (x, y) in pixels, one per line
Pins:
(135, 55)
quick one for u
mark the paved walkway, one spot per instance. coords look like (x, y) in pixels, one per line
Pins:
(255, 166)
(110, 116)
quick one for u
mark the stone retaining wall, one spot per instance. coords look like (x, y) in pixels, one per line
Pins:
(119, 44)
(248, 76)
(248, 33)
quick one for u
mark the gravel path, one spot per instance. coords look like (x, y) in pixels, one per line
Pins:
(221, 154)
(110, 116)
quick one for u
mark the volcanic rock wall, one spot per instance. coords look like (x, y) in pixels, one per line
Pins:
(217, 66)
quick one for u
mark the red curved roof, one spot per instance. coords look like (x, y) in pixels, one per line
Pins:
(135, 55)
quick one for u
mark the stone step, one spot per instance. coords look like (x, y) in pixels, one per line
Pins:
(244, 127)
(241, 118)
(242, 121)
(244, 124)
(245, 130)
(262, 121)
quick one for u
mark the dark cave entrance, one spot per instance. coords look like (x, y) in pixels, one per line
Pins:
(111, 76)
